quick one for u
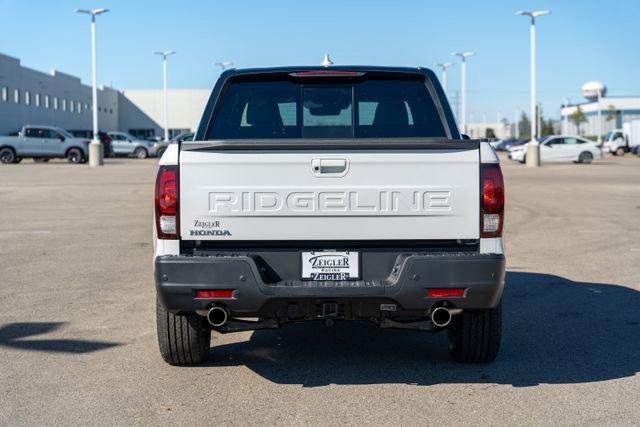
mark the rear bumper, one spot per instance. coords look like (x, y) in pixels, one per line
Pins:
(179, 277)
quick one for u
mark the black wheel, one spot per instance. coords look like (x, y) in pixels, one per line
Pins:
(183, 339)
(141, 153)
(75, 155)
(474, 336)
(585, 157)
(7, 155)
(620, 151)
(40, 159)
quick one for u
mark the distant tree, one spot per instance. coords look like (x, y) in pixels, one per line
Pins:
(489, 133)
(524, 125)
(577, 118)
(611, 113)
(547, 127)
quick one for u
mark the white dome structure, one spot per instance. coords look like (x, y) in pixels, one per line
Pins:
(590, 90)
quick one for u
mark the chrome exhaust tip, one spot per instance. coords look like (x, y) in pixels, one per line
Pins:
(440, 317)
(217, 316)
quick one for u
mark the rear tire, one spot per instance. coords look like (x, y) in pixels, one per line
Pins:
(183, 339)
(620, 151)
(7, 155)
(140, 153)
(75, 155)
(585, 157)
(474, 336)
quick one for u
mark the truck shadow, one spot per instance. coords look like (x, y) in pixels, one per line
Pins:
(555, 331)
(20, 336)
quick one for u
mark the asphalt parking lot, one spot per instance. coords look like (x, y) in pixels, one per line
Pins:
(77, 320)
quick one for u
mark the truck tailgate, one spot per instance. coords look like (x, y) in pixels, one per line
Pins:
(399, 194)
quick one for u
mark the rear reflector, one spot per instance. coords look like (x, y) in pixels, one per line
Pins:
(492, 212)
(214, 293)
(445, 292)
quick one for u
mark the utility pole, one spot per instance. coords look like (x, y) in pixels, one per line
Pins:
(95, 147)
(164, 92)
(533, 149)
(463, 87)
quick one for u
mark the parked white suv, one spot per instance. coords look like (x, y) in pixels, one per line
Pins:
(558, 148)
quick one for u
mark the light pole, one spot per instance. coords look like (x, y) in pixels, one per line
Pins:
(599, 117)
(95, 147)
(533, 149)
(164, 91)
(224, 64)
(565, 118)
(444, 66)
(463, 87)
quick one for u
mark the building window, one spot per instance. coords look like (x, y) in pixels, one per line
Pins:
(142, 133)
(55, 102)
(27, 97)
(37, 99)
(86, 107)
(16, 96)
(72, 106)
(46, 101)
(64, 104)
(5, 94)
(78, 107)
(110, 110)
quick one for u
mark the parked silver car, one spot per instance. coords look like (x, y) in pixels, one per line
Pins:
(124, 144)
(43, 143)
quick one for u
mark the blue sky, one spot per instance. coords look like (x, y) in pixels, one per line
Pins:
(581, 41)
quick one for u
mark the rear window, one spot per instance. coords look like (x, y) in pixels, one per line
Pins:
(374, 108)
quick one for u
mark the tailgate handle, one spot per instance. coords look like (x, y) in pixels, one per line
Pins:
(331, 167)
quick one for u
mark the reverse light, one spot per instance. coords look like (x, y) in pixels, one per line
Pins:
(214, 293)
(492, 208)
(445, 292)
(166, 201)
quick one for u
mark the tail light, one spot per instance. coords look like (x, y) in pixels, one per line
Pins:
(492, 211)
(167, 208)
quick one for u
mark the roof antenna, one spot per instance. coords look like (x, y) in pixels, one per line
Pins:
(326, 61)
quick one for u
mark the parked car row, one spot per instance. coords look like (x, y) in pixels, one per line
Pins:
(42, 143)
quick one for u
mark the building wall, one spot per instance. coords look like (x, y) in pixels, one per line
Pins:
(626, 109)
(479, 129)
(143, 109)
(32, 97)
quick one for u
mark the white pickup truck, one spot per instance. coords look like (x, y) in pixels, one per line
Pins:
(325, 194)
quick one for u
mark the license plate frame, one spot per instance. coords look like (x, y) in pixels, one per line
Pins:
(330, 265)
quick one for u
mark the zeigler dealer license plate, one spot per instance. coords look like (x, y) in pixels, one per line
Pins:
(331, 265)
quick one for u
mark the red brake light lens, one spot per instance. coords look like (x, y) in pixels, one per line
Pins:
(492, 211)
(166, 198)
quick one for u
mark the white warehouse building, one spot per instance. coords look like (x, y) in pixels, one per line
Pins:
(615, 111)
(33, 97)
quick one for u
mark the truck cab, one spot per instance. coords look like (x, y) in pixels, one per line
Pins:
(329, 194)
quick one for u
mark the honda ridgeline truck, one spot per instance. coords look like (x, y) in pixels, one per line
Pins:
(341, 193)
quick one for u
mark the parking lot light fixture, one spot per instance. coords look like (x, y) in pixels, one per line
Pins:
(463, 87)
(444, 66)
(533, 149)
(164, 55)
(95, 147)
